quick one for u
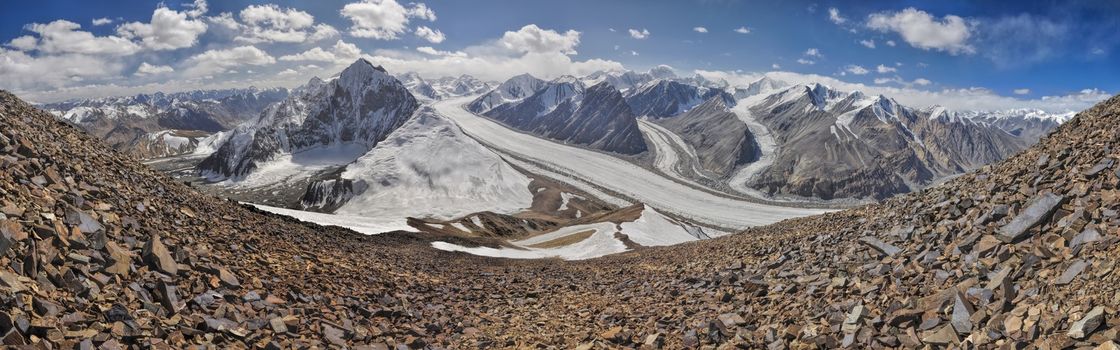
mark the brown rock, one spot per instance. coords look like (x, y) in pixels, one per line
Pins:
(157, 257)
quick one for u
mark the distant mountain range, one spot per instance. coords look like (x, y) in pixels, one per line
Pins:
(769, 138)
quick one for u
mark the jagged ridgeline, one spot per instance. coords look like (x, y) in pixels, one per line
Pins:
(96, 250)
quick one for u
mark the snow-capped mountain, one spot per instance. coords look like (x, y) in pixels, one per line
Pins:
(442, 88)
(564, 109)
(1027, 123)
(512, 90)
(835, 144)
(758, 87)
(357, 108)
(665, 98)
(425, 168)
(146, 124)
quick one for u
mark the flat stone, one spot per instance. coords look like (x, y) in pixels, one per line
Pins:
(1088, 235)
(158, 257)
(1040, 209)
(1072, 272)
(962, 313)
(942, 336)
(1089, 323)
(881, 246)
(731, 319)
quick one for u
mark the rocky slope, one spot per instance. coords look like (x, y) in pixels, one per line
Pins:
(720, 139)
(835, 144)
(667, 98)
(1020, 254)
(359, 107)
(139, 124)
(565, 110)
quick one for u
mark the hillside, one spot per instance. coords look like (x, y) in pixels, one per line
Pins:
(100, 250)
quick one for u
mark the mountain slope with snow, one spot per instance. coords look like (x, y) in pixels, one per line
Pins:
(359, 107)
(426, 168)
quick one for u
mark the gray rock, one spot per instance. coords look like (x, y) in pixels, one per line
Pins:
(962, 313)
(1087, 324)
(881, 246)
(1040, 209)
(1072, 272)
(1089, 235)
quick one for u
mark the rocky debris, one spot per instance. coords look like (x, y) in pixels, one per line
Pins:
(173, 268)
(1040, 209)
(1089, 323)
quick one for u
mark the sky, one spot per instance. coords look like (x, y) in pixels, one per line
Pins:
(1053, 55)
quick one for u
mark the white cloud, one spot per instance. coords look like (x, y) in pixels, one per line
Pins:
(916, 94)
(221, 60)
(322, 31)
(835, 17)
(743, 30)
(855, 69)
(168, 29)
(633, 53)
(101, 21)
(870, 43)
(383, 19)
(884, 69)
(700, 29)
(62, 37)
(24, 43)
(891, 43)
(341, 53)
(271, 23)
(431, 35)
(813, 52)
(1022, 91)
(149, 69)
(532, 38)
(775, 66)
(432, 51)
(639, 34)
(805, 61)
(922, 30)
(24, 73)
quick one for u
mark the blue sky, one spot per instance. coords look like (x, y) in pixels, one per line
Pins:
(1053, 55)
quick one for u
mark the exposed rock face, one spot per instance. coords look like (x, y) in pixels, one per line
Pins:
(835, 144)
(140, 124)
(811, 282)
(721, 140)
(360, 106)
(564, 110)
(666, 98)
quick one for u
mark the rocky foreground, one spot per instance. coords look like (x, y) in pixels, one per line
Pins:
(98, 251)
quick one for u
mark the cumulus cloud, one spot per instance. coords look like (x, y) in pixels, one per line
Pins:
(884, 69)
(531, 38)
(101, 21)
(891, 43)
(149, 69)
(835, 17)
(855, 69)
(341, 53)
(813, 52)
(700, 29)
(639, 34)
(168, 29)
(432, 51)
(222, 60)
(383, 19)
(271, 23)
(1023, 91)
(431, 35)
(775, 66)
(922, 30)
(805, 61)
(868, 43)
(743, 30)
(63, 37)
(24, 73)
